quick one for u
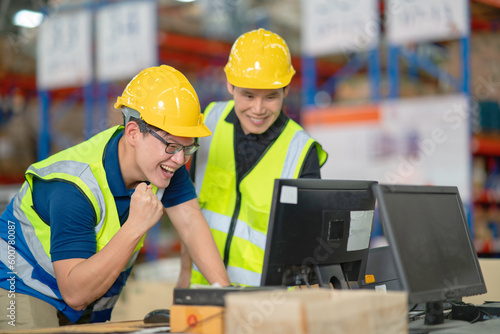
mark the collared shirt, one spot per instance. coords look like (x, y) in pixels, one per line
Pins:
(249, 148)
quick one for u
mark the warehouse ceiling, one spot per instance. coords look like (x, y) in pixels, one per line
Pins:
(187, 17)
(283, 13)
(8, 8)
(191, 18)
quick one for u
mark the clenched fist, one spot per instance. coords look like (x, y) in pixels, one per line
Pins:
(145, 207)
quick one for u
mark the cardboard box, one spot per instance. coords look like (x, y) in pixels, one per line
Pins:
(197, 319)
(359, 311)
(317, 311)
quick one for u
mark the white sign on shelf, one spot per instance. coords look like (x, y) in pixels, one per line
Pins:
(426, 20)
(64, 47)
(339, 26)
(422, 140)
(126, 39)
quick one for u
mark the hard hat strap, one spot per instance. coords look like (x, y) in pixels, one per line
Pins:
(129, 113)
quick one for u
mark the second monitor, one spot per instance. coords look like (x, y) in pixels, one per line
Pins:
(432, 248)
(319, 232)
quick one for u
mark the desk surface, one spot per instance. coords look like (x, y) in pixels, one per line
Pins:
(486, 327)
(138, 326)
(106, 327)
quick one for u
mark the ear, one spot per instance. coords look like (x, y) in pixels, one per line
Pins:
(132, 132)
(230, 87)
(285, 91)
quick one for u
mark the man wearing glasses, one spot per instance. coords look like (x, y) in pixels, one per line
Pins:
(77, 224)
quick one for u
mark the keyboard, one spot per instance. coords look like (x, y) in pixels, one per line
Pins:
(212, 296)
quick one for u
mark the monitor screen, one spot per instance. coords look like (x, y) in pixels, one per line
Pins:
(428, 233)
(319, 232)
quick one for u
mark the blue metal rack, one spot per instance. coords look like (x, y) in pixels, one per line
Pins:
(394, 52)
(370, 59)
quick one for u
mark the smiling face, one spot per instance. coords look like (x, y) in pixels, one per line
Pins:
(148, 160)
(257, 109)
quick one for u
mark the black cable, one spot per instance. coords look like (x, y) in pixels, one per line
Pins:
(414, 307)
(480, 313)
(415, 316)
(346, 280)
(412, 317)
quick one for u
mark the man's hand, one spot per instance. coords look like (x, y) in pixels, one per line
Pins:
(145, 207)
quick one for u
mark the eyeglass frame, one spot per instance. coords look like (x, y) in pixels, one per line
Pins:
(144, 128)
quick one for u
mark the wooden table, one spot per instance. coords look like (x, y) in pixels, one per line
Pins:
(105, 327)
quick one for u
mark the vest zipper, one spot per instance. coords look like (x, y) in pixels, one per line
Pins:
(232, 226)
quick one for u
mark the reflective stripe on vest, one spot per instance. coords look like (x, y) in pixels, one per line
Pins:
(216, 187)
(25, 271)
(35, 246)
(77, 173)
(212, 115)
(221, 223)
(294, 158)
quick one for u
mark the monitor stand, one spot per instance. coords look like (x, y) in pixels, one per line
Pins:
(331, 275)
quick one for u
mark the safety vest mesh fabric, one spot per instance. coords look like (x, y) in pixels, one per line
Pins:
(82, 166)
(217, 190)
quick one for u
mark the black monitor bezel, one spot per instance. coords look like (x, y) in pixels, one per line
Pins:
(326, 184)
(416, 297)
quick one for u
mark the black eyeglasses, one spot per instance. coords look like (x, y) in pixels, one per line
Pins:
(173, 148)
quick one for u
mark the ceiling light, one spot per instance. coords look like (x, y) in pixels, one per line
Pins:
(28, 18)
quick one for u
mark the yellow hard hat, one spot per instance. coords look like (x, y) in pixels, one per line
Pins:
(259, 59)
(165, 99)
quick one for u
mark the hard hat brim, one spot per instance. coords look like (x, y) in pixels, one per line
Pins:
(192, 132)
(257, 83)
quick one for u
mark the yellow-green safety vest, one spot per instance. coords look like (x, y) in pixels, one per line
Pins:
(81, 165)
(238, 213)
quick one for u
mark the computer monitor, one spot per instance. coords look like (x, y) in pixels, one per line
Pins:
(428, 233)
(380, 265)
(319, 232)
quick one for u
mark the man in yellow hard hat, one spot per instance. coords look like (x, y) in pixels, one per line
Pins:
(253, 143)
(70, 237)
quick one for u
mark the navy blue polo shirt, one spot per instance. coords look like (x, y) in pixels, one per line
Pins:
(71, 217)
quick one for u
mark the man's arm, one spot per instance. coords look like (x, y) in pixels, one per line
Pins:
(81, 281)
(196, 236)
(184, 280)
